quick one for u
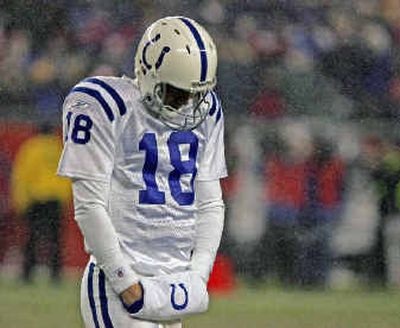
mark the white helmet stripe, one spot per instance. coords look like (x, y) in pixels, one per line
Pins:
(200, 43)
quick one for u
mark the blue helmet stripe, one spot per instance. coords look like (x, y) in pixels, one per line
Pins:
(200, 44)
(90, 295)
(114, 94)
(97, 95)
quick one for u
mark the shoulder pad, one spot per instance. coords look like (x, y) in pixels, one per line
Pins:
(107, 91)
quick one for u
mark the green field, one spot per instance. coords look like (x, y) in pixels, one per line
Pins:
(43, 306)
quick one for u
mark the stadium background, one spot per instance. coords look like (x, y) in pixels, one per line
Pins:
(296, 79)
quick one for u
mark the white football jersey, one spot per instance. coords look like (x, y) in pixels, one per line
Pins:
(151, 170)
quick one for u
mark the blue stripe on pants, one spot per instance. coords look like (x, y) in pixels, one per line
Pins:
(103, 301)
(90, 295)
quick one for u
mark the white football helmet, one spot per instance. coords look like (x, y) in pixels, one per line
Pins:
(176, 52)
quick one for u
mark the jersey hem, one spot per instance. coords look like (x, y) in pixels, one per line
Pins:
(211, 178)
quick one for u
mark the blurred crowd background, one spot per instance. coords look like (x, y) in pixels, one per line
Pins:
(311, 93)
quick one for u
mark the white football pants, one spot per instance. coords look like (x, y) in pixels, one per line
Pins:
(102, 308)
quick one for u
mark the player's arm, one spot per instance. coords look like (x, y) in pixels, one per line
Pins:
(91, 125)
(90, 199)
(209, 226)
(211, 209)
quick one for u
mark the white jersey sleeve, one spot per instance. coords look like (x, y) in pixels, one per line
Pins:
(101, 239)
(91, 120)
(212, 165)
(209, 226)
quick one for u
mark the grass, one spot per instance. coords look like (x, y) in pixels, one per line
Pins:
(44, 306)
(302, 309)
(39, 306)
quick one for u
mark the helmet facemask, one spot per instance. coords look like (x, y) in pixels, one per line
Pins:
(178, 109)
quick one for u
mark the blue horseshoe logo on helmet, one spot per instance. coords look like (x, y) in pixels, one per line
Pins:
(160, 59)
(182, 306)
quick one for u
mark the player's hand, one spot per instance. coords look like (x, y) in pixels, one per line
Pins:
(133, 294)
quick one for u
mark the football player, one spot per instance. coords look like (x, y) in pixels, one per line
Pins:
(145, 157)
